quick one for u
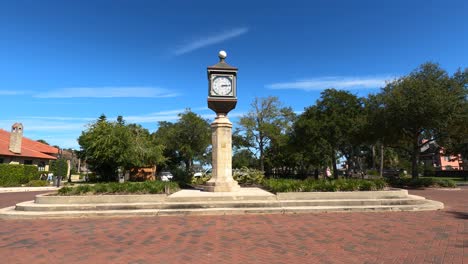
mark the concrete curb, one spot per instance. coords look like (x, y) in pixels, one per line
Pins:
(144, 198)
(190, 202)
(11, 213)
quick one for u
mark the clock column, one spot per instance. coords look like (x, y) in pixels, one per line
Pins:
(221, 138)
(221, 129)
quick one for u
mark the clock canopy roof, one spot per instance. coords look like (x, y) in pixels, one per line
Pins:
(222, 65)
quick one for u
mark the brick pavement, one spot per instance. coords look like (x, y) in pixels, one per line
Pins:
(398, 237)
(12, 198)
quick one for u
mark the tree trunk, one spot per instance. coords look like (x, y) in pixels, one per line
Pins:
(414, 160)
(381, 159)
(262, 164)
(188, 165)
(335, 170)
(374, 164)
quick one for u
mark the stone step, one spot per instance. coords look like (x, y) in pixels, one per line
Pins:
(31, 206)
(245, 194)
(10, 212)
(354, 202)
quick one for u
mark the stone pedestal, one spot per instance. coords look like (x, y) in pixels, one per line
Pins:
(221, 138)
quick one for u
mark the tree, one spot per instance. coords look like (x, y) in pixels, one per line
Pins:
(186, 140)
(339, 117)
(457, 140)
(306, 140)
(243, 158)
(59, 167)
(42, 141)
(422, 107)
(108, 145)
(264, 123)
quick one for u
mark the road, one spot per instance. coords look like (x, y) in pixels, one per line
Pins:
(390, 237)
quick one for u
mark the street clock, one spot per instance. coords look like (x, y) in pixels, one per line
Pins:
(222, 94)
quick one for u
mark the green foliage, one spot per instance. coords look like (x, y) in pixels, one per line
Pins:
(181, 175)
(59, 167)
(310, 185)
(265, 125)
(334, 125)
(246, 176)
(244, 158)
(201, 180)
(42, 141)
(422, 107)
(108, 145)
(37, 183)
(184, 141)
(148, 187)
(421, 182)
(16, 175)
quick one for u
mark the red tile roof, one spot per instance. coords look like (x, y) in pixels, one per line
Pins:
(29, 148)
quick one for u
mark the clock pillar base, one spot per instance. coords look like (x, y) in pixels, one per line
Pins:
(221, 179)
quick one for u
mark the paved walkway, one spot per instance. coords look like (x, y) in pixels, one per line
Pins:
(398, 237)
(27, 189)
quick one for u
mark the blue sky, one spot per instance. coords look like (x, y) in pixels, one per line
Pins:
(63, 63)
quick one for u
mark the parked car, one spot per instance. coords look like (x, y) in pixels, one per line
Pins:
(200, 174)
(165, 176)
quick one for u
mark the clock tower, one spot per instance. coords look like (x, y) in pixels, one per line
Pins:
(222, 98)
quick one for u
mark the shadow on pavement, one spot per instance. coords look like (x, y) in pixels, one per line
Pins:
(459, 215)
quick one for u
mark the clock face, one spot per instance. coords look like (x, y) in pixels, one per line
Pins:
(222, 85)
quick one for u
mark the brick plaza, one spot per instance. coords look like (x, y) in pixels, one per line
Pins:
(396, 237)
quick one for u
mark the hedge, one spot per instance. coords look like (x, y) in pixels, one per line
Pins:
(16, 175)
(421, 183)
(148, 187)
(312, 185)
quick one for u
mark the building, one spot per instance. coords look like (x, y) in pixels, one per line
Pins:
(434, 155)
(16, 149)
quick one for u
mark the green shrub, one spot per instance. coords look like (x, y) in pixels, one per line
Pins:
(372, 172)
(367, 186)
(65, 191)
(201, 180)
(149, 187)
(446, 183)
(421, 182)
(92, 177)
(311, 185)
(101, 187)
(243, 176)
(181, 176)
(37, 183)
(246, 176)
(83, 189)
(59, 167)
(16, 175)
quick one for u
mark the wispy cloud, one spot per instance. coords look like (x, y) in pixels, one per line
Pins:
(348, 83)
(210, 40)
(64, 130)
(107, 92)
(11, 92)
(59, 118)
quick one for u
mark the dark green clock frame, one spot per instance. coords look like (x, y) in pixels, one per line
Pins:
(217, 103)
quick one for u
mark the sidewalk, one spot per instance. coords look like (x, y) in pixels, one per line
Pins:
(27, 189)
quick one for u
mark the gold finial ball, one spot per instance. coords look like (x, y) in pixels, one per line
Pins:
(222, 54)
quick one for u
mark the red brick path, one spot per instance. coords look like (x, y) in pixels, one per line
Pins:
(399, 237)
(10, 199)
